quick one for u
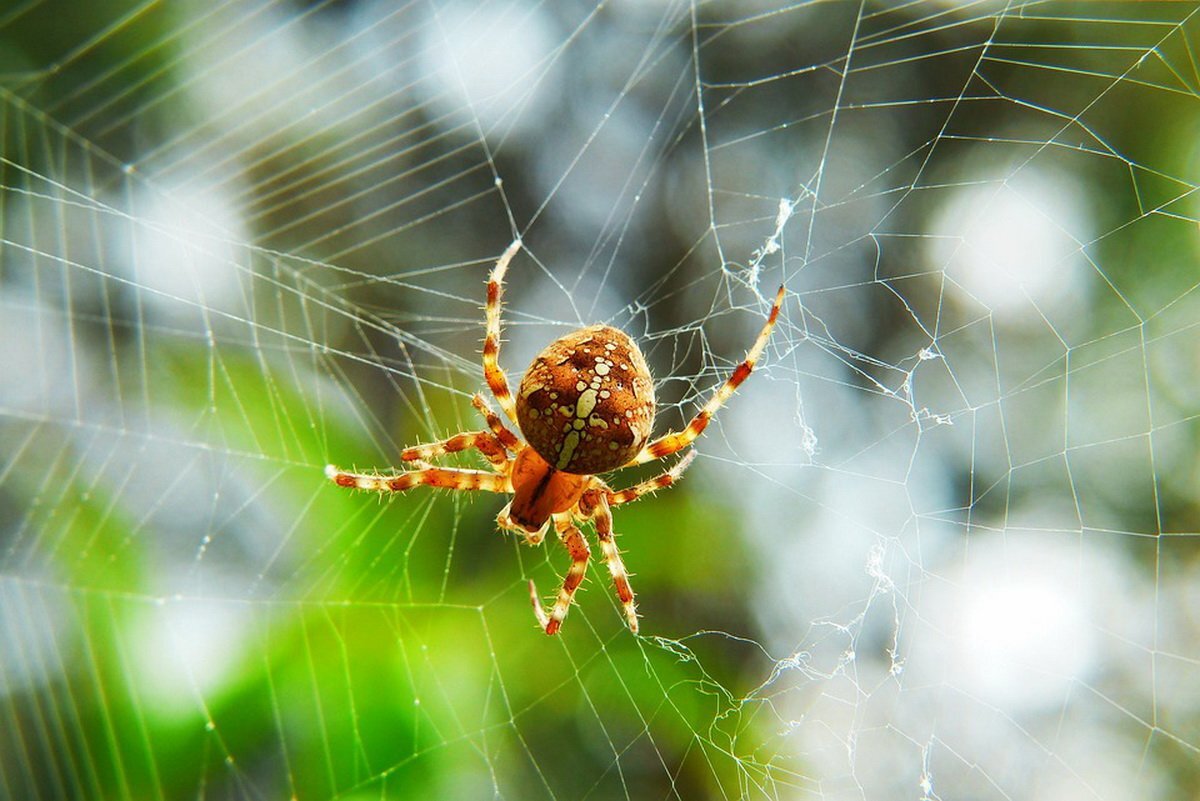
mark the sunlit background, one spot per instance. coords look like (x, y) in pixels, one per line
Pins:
(942, 545)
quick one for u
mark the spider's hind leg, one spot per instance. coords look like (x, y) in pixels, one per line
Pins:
(661, 481)
(677, 441)
(493, 373)
(507, 438)
(483, 441)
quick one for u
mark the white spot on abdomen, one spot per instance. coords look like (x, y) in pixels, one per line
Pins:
(586, 403)
(568, 448)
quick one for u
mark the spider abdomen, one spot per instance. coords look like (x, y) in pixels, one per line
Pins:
(586, 403)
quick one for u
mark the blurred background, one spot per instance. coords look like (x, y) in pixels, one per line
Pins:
(943, 544)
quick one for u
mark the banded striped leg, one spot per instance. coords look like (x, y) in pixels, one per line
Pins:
(597, 509)
(496, 379)
(618, 497)
(507, 438)
(673, 442)
(577, 546)
(483, 441)
(444, 477)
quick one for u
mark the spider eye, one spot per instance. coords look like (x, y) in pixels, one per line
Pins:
(586, 404)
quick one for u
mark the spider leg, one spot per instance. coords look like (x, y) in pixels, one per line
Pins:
(444, 477)
(662, 481)
(577, 546)
(483, 441)
(492, 372)
(677, 441)
(595, 505)
(507, 438)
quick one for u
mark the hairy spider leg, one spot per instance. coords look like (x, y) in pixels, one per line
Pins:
(497, 381)
(596, 506)
(483, 441)
(662, 481)
(677, 441)
(444, 477)
(577, 546)
(507, 438)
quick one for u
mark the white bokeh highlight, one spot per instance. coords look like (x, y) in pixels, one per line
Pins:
(1016, 247)
(489, 60)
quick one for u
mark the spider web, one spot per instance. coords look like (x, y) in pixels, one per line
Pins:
(942, 544)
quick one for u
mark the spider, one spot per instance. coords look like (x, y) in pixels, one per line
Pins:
(585, 407)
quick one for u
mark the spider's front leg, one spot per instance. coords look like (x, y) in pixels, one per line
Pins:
(594, 504)
(577, 546)
(444, 477)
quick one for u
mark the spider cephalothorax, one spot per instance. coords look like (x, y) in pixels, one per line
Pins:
(585, 406)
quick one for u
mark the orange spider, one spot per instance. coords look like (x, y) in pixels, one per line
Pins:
(585, 406)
